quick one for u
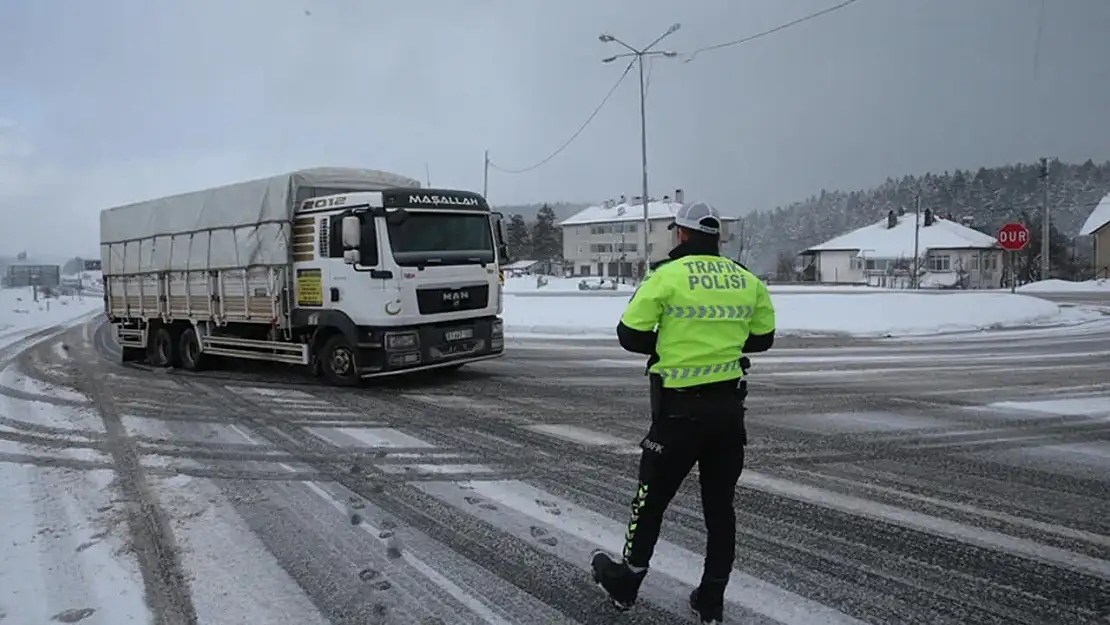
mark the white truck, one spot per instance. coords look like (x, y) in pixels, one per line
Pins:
(354, 273)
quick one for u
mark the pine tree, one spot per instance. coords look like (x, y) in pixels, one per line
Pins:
(520, 239)
(547, 237)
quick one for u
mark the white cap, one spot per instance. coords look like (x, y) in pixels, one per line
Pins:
(698, 216)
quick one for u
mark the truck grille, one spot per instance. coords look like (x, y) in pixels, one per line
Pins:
(434, 301)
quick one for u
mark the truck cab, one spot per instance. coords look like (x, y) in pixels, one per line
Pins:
(398, 280)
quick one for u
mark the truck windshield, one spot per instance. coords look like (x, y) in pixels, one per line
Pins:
(442, 238)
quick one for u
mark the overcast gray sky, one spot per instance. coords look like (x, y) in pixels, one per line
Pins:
(119, 100)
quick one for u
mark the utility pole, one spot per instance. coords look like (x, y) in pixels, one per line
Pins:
(916, 238)
(639, 54)
(485, 178)
(1046, 227)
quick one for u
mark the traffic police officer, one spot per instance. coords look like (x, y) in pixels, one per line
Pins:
(695, 316)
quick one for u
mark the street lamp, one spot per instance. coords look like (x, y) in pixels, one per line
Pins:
(639, 54)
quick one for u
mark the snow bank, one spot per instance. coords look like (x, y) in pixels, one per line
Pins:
(21, 314)
(527, 284)
(801, 314)
(1065, 286)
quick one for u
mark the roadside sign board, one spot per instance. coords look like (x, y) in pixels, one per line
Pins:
(33, 275)
(92, 265)
(1013, 237)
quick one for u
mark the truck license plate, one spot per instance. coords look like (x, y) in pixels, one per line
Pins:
(459, 335)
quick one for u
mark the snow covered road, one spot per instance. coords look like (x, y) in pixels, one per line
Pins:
(961, 480)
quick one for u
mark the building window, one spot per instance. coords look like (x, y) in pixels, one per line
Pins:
(626, 247)
(940, 263)
(601, 248)
(614, 228)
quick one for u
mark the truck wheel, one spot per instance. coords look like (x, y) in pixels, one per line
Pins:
(192, 359)
(338, 362)
(160, 351)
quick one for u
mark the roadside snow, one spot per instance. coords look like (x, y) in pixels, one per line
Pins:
(58, 559)
(802, 314)
(1066, 286)
(63, 557)
(528, 284)
(20, 314)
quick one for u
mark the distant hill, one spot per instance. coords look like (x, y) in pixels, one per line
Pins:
(989, 196)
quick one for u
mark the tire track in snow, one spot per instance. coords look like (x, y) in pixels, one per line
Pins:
(167, 588)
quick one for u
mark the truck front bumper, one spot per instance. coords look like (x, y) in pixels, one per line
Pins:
(388, 351)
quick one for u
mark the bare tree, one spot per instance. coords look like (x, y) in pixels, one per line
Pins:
(784, 268)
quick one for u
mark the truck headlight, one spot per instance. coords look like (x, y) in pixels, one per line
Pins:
(401, 340)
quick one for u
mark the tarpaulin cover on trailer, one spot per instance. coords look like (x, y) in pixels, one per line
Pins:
(246, 224)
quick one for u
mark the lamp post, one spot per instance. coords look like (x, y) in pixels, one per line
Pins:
(639, 54)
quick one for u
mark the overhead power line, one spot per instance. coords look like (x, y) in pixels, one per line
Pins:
(771, 31)
(578, 132)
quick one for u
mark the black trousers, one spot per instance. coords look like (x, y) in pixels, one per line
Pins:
(703, 425)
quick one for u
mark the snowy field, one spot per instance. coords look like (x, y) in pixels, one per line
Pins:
(20, 314)
(809, 311)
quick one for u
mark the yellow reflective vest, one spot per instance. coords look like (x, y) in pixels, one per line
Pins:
(703, 308)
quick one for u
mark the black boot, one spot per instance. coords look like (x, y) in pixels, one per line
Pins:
(708, 602)
(616, 579)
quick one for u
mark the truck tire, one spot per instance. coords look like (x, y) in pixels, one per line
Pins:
(192, 359)
(338, 362)
(161, 352)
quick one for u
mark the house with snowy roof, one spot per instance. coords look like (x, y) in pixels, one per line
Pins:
(950, 254)
(1098, 226)
(606, 240)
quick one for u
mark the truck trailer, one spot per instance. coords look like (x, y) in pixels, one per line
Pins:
(352, 273)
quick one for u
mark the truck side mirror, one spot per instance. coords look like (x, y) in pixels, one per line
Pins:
(352, 233)
(502, 247)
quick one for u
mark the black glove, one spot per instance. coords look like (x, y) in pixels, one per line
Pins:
(654, 358)
(745, 364)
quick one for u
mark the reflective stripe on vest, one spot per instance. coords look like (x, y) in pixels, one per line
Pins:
(685, 373)
(709, 312)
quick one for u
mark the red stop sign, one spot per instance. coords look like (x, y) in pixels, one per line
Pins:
(1013, 237)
